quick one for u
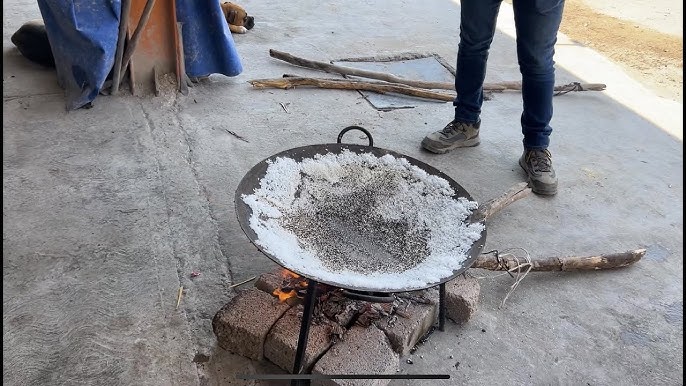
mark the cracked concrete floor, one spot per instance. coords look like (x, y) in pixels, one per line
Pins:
(107, 211)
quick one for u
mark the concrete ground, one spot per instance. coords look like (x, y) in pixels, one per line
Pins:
(107, 211)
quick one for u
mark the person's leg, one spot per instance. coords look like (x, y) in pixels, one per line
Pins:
(477, 27)
(537, 23)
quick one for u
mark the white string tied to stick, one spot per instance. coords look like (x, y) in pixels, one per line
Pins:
(523, 267)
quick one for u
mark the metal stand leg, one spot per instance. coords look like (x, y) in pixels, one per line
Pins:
(441, 307)
(304, 331)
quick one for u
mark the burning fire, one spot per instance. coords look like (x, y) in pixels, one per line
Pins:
(283, 296)
(286, 274)
(292, 282)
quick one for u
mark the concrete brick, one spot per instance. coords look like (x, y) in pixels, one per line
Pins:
(461, 298)
(242, 325)
(363, 351)
(282, 341)
(405, 332)
(270, 281)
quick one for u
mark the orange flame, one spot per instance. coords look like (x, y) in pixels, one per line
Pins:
(289, 274)
(283, 296)
(290, 280)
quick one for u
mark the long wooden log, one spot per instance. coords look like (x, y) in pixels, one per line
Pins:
(119, 54)
(489, 87)
(348, 84)
(571, 263)
(574, 86)
(487, 210)
(181, 76)
(332, 68)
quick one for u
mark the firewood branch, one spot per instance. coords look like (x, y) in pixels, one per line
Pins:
(391, 78)
(334, 69)
(493, 262)
(487, 210)
(348, 84)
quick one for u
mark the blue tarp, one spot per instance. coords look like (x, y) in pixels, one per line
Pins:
(208, 46)
(83, 37)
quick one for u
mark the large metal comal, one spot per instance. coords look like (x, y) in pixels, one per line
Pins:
(251, 182)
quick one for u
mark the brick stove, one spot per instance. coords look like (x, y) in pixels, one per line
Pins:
(360, 219)
(344, 334)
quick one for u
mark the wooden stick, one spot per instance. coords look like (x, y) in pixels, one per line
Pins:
(123, 25)
(332, 68)
(178, 297)
(156, 81)
(574, 86)
(388, 58)
(572, 263)
(133, 42)
(243, 282)
(181, 75)
(493, 87)
(348, 84)
(487, 210)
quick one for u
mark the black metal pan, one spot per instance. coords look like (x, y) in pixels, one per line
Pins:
(251, 182)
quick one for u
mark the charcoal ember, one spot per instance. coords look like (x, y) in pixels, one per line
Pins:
(339, 309)
(336, 331)
(370, 313)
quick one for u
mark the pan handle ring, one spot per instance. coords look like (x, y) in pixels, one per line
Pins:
(362, 129)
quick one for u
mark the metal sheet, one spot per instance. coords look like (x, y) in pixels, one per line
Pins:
(428, 69)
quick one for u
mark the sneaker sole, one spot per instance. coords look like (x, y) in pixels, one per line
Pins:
(468, 143)
(544, 190)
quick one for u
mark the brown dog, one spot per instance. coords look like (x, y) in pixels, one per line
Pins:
(237, 18)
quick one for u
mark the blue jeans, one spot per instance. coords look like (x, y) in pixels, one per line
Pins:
(537, 23)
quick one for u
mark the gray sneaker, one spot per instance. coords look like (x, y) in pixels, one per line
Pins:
(455, 134)
(538, 164)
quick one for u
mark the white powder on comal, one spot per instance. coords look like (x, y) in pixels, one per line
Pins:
(357, 220)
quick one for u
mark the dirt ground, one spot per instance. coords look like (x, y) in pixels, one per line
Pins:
(653, 58)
